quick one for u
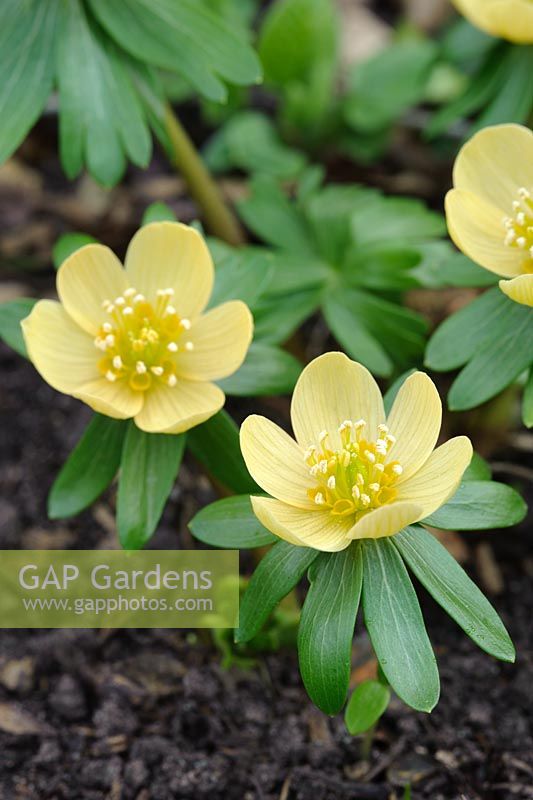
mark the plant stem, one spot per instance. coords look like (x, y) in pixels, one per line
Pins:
(218, 217)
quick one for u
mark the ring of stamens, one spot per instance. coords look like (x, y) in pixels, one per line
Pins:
(140, 340)
(519, 228)
(357, 478)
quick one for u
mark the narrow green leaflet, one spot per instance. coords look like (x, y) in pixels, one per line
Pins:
(11, 315)
(479, 505)
(215, 444)
(276, 318)
(527, 403)
(327, 627)
(148, 468)
(513, 101)
(185, 37)
(244, 274)
(277, 574)
(230, 523)
(267, 370)
(396, 627)
(269, 213)
(67, 244)
(27, 44)
(451, 587)
(366, 705)
(101, 117)
(89, 469)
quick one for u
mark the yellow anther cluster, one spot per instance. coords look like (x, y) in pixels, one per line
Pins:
(519, 228)
(356, 478)
(140, 341)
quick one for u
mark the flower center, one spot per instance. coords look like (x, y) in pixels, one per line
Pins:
(140, 340)
(519, 228)
(355, 479)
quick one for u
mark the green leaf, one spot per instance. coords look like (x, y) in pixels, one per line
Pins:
(295, 36)
(330, 212)
(269, 213)
(215, 444)
(367, 704)
(479, 506)
(513, 100)
(384, 87)
(442, 267)
(267, 370)
(396, 627)
(186, 37)
(101, 118)
(230, 523)
(527, 402)
(477, 470)
(451, 587)
(277, 574)
(243, 274)
(11, 315)
(327, 627)
(276, 318)
(250, 141)
(148, 469)
(400, 220)
(27, 43)
(67, 244)
(89, 469)
(158, 212)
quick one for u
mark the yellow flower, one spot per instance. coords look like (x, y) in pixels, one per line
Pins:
(490, 209)
(508, 19)
(351, 473)
(135, 342)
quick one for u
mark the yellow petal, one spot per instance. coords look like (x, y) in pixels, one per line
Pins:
(415, 421)
(220, 340)
(61, 352)
(88, 277)
(305, 528)
(494, 164)
(169, 255)
(114, 399)
(519, 289)
(386, 520)
(477, 229)
(331, 389)
(178, 408)
(276, 462)
(508, 19)
(438, 479)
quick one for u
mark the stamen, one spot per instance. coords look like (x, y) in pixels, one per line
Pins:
(140, 367)
(189, 346)
(173, 347)
(519, 228)
(172, 380)
(117, 362)
(110, 376)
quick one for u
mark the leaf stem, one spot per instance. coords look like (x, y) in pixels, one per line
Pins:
(219, 218)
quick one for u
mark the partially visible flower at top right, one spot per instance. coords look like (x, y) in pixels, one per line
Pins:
(508, 19)
(490, 209)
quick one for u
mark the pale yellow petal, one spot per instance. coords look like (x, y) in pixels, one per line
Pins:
(415, 421)
(512, 20)
(169, 255)
(519, 289)
(220, 340)
(276, 462)
(439, 478)
(386, 520)
(314, 529)
(114, 399)
(477, 229)
(178, 408)
(60, 350)
(85, 279)
(330, 390)
(495, 163)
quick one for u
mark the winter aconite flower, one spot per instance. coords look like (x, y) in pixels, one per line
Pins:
(508, 19)
(490, 209)
(352, 473)
(135, 342)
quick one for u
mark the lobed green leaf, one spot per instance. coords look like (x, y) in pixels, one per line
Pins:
(230, 523)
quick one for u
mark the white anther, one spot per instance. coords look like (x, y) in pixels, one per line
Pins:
(110, 376)
(140, 367)
(172, 380)
(189, 346)
(110, 340)
(169, 292)
(521, 218)
(311, 450)
(323, 466)
(516, 204)
(382, 429)
(130, 292)
(346, 424)
(322, 436)
(356, 492)
(390, 438)
(173, 347)
(374, 487)
(314, 470)
(370, 456)
(510, 237)
(117, 362)
(139, 298)
(106, 304)
(331, 482)
(101, 344)
(119, 301)
(379, 467)
(319, 499)
(397, 469)
(521, 242)
(186, 324)
(359, 479)
(127, 311)
(170, 310)
(359, 424)
(157, 371)
(107, 327)
(524, 193)
(365, 500)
